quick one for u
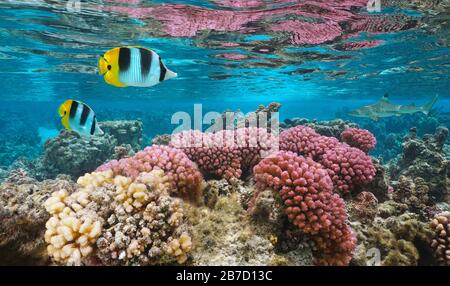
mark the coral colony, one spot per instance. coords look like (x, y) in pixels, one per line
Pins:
(309, 196)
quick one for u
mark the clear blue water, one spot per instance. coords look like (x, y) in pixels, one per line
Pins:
(49, 53)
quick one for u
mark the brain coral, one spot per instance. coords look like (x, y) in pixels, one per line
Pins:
(307, 192)
(114, 220)
(226, 153)
(359, 138)
(184, 176)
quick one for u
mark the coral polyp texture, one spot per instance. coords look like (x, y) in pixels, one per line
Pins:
(183, 174)
(346, 165)
(441, 241)
(307, 191)
(114, 220)
(359, 138)
(226, 153)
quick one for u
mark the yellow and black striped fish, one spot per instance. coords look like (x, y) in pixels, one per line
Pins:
(133, 66)
(79, 117)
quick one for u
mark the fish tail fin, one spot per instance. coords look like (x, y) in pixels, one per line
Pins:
(427, 107)
(170, 74)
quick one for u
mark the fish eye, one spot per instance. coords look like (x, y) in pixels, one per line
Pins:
(109, 67)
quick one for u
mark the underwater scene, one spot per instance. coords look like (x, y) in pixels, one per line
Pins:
(225, 132)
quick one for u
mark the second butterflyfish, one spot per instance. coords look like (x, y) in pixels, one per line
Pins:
(79, 117)
(133, 66)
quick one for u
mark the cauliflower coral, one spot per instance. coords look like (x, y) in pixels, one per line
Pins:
(115, 220)
(307, 192)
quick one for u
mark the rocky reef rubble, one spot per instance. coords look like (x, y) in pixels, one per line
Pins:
(74, 155)
(23, 217)
(424, 158)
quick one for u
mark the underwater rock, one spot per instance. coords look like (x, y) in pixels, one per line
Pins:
(395, 241)
(424, 158)
(126, 132)
(413, 193)
(163, 139)
(225, 235)
(74, 155)
(332, 128)
(364, 207)
(217, 188)
(23, 217)
(441, 241)
(261, 117)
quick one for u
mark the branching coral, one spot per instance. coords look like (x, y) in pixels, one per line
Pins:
(307, 192)
(184, 177)
(117, 220)
(359, 138)
(226, 153)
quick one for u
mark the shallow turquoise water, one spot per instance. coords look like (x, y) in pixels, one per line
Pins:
(49, 52)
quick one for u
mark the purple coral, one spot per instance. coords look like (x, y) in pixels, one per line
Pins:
(307, 192)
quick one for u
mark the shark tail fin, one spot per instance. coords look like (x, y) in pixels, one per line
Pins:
(427, 107)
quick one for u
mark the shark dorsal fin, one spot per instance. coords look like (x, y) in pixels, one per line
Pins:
(385, 98)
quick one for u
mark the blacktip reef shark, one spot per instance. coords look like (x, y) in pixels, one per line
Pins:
(383, 108)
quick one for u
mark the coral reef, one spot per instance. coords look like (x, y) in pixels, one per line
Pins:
(424, 158)
(115, 220)
(441, 241)
(347, 166)
(332, 128)
(224, 235)
(395, 241)
(184, 176)
(364, 207)
(262, 117)
(413, 193)
(23, 217)
(69, 153)
(307, 192)
(126, 132)
(227, 153)
(359, 138)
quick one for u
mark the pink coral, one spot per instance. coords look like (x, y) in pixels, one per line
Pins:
(307, 192)
(182, 172)
(227, 153)
(305, 141)
(359, 138)
(348, 166)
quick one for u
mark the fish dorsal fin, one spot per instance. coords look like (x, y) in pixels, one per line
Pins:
(385, 98)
